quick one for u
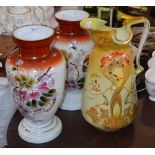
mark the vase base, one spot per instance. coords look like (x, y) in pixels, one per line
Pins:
(71, 107)
(72, 100)
(152, 98)
(37, 134)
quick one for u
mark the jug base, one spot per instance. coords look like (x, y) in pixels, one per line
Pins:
(107, 129)
(37, 134)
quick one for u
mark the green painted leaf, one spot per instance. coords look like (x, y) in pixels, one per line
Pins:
(41, 103)
(14, 69)
(34, 103)
(81, 83)
(47, 94)
(29, 103)
(44, 99)
(82, 80)
(52, 91)
(75, 48)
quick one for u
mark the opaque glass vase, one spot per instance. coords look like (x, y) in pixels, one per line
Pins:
(36, 75)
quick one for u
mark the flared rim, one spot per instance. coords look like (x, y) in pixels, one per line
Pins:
(33, 33)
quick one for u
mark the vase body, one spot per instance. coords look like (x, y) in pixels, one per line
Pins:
(110, 98)
(35, 76)
(76, 45)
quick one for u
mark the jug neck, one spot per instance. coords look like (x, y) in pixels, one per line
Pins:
(69, 28)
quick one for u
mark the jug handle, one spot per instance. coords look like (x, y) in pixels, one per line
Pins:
(137, 20)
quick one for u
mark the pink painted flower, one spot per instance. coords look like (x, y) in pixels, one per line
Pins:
(26, 96)
(29, 96)
(34, 95)
(22, 92)
(42, 87)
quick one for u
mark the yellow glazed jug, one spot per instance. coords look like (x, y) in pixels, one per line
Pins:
(109, 98)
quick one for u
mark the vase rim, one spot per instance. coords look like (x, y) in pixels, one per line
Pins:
(71, 15)
(33, 33)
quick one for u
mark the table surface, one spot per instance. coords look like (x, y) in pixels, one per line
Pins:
(77, 133)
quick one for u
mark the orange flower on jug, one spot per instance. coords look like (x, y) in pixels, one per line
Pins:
(115, 55)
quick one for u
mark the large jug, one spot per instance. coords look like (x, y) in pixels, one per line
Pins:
(109, 98)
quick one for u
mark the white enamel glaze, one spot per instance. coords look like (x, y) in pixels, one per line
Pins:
(150, 75)
(33, 33)
(150, 83)
(72, 100)
(153, 53)
(151, 62)
(71, 15)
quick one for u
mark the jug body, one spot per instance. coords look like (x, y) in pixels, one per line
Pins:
(109, 97)
(75, 44)
(35, 76)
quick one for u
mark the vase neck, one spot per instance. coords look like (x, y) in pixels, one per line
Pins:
(69, 21)
(70, 28)
(34, 53)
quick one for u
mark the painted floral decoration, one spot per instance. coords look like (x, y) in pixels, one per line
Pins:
(33, 92)
(77, 61)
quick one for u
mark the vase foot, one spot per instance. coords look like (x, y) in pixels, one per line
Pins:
(72, 100)
(39, 133)
(71, 107)
(152, 98)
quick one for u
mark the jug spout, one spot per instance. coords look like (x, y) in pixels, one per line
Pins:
(99, 32)
(103, 35)
(91, 24)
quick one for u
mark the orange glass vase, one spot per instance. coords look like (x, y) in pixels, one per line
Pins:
(36, 75)
(75, 43)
